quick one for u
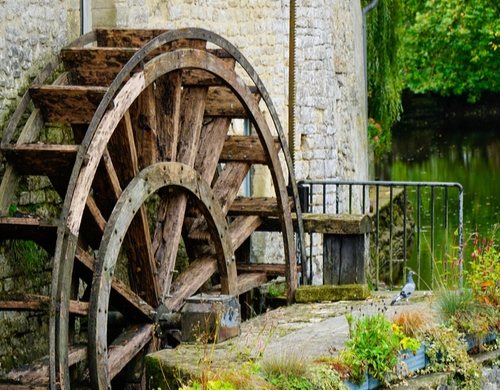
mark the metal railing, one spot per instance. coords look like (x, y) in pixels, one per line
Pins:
(364, 197)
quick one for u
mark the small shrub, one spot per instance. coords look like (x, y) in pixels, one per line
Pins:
(447, 351)
(414, 321)
(373, 346)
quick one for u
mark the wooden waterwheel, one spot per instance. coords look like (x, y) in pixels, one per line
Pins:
(152, 165)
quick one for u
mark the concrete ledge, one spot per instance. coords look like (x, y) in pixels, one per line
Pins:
(312, 293)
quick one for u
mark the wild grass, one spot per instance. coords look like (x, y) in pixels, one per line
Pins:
(415, 322)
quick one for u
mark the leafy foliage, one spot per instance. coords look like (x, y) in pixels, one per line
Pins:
(484, 272)
(452, 47)
(373, 346)
(378, 137)
(447, 351)
(384, 75)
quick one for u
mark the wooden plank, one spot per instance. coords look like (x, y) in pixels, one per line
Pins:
(67, 104)
(190, 281)
(31, 302)
(325, 223)
(257, 206)
(143, 122)
(35, 374)
(137, 38)
(123, 349)
(137, 240)
(168, 97)
(41, 231)
(11, 175)
(246, 282)
(123, 151)
(221, 102)
(331, 259)
(212, 138)
(245, 149)
(122, 297)
(95, 66)
(229, 182)
(270, 269)
(212, 141)
(41, 159)
(191, 119)
(99, 66)
(242, 227)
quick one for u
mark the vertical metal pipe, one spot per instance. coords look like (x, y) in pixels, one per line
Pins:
(419, 196)
(311, 273)
(324, 198)
(364, 198)
(291, 82)
(337, 198)
(446, 233)
(391, 279)
(432, 236)
(404, 227)
(461, 233)
(350, 198)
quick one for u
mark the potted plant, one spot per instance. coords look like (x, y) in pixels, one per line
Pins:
(372, 350)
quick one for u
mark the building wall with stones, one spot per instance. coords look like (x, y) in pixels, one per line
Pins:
(330, 133)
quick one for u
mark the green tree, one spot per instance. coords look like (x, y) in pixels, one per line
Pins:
(452, 46)
(384, 69)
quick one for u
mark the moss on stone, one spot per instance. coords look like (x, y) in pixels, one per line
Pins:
(168, 369)
(312, 293)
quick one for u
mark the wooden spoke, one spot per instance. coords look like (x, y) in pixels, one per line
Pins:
(191, 280)
(123, 349)
(191, 117)
(123, 297)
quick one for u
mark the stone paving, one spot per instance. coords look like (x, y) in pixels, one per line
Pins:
(311, 330)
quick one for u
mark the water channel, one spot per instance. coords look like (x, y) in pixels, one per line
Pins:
(447, 147)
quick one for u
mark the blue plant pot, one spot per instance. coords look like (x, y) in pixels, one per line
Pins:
(408, 362)
(473, 342)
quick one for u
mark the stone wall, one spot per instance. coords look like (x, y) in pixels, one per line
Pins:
(330, 133)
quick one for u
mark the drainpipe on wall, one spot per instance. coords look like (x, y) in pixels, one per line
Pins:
(367, 9)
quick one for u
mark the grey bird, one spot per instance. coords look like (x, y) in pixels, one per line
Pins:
(407, 290)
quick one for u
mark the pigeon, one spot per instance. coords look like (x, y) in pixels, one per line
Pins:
(407, 290)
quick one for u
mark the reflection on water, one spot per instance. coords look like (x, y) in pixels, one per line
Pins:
(467, 153)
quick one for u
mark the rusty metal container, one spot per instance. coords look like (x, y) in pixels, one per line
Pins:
(209, 318)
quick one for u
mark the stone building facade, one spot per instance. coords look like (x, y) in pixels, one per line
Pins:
(330, 132)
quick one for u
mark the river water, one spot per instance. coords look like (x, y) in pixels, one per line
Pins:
(436, 149)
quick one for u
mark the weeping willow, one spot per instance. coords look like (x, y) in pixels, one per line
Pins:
(385, 81)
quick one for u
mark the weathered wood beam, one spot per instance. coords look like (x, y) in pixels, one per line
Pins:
(190, 281)
(270, 269)
(11, 175)
(260, 206)
(245, 149)
(41, 231)
(67, 104)
(36, 374)
(325, 223)
(242, 227)
(41, 159)
(221, 102)
(190, 125)
(246, 282)
(121, 295)
(123, 349)
(32, 302)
